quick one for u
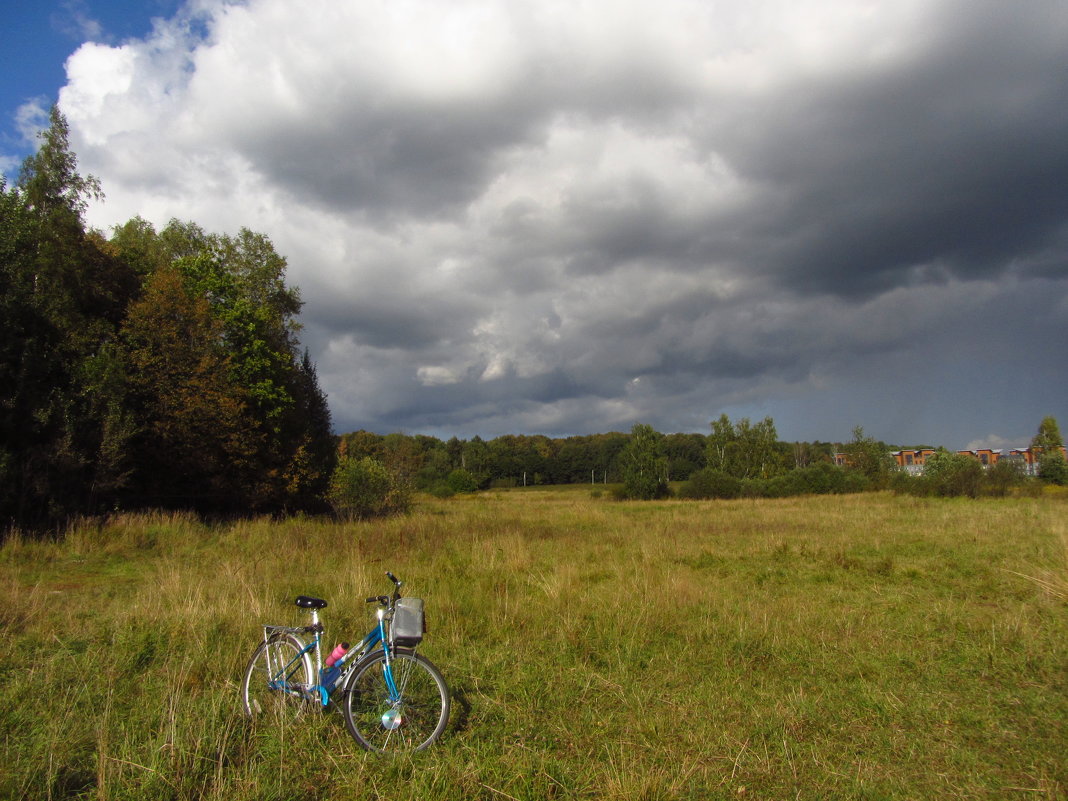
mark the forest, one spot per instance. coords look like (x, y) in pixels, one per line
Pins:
(150, 368)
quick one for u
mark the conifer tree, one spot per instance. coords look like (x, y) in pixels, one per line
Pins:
(63, 428)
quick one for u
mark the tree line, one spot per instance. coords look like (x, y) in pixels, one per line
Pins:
(740, 448)
(736, 458)
(146, 369)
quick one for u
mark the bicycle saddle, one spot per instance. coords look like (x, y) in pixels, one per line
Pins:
(307, 602)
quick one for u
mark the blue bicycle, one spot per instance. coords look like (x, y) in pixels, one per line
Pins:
(393, 698)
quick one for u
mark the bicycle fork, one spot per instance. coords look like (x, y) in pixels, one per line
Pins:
(392, 718)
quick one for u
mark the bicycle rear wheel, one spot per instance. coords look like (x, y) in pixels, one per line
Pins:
(412, 722)
(278, 678)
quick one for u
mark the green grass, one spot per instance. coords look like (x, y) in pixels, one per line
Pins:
(851, 647)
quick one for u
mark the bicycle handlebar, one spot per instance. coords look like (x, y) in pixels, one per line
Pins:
(387, 600)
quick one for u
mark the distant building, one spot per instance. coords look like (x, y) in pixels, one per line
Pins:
(912, 461)
(987, 456)
(1028, 458)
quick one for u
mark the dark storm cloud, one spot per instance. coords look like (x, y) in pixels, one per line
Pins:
(952, 164)
(385, 318)
(520, 217)
(400, 162)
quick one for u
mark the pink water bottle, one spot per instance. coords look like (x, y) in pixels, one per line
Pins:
(336, 654)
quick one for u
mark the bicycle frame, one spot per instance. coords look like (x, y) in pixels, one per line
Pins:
(279, 679)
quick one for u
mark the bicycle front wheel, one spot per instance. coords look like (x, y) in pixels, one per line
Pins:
(408, 720)
(278, 678)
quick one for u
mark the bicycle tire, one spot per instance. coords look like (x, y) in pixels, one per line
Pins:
(413, 723)
(259, 696)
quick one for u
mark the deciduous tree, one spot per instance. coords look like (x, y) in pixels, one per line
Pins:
(869, 457)
(743, 449)
(644, 464)
(1048, 442)
(1048, 436)
(362, 488)
(196, 445)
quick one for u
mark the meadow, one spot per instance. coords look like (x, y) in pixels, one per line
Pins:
(857, 647)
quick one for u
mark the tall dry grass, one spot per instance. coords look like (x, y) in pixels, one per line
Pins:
(852, 647)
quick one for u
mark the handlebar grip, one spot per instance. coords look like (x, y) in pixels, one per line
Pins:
(393, 578)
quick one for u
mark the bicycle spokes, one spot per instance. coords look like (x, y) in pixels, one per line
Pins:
(277, 678)
(406, 716)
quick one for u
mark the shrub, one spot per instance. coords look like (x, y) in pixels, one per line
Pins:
(1001, 477)
(441, 489)
(902, 483)
(1053, 469)
(803, 481)
(818, 479)
(365, 487)
(754, 488)
(642, 488)
(952, 475)
(711, 483)
(847, 481)
(460, 480)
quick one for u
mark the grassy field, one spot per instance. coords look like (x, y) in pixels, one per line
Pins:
(835, 647)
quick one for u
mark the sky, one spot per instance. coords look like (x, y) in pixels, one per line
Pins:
(550, 217)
